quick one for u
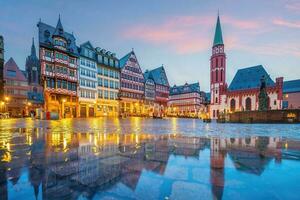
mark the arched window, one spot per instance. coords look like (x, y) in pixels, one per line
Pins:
(248, 103)
(217, 75)
(232, 105)
(216, 100)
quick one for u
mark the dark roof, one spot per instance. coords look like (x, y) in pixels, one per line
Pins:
(124, 60)
(249, 78)
(88, 45)
(158, 75)
(291, 86)
(186, 88)
(45, 38)
(207, 96)
(218, 39)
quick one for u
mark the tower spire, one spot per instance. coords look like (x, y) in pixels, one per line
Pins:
(218, 39)
(59, 30)
(33, 52)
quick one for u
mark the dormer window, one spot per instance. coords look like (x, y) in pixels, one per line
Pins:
(61, 31)
(59, 43)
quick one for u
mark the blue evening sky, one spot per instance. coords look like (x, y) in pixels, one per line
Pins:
(176, 33)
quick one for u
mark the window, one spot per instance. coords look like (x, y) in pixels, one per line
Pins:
(112, 95)
(100, 81)
(117, 85)
(48, 68)
(105, 72)
(111, 84)
(100, 70)
(100, 94)
(105, 83)
(105, 94)
(11, 73)
(48, 54)
(217, 75)
(275, 102)
(72, 60)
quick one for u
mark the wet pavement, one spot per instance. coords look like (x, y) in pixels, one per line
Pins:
(134, 158)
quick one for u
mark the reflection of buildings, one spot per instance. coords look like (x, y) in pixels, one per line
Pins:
(66, 166)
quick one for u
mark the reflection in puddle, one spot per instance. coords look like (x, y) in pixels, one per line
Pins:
(53, 165)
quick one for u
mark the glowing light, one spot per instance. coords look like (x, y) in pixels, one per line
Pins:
(64, 100)
(6, 98)
(29, 103)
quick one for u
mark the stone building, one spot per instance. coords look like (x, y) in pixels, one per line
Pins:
(291, 94)
(242, 94)
(15, 90)
(87, 80)
(186, 100)
(58, 56)
(132, 86)
(33, 73)
(108, 75)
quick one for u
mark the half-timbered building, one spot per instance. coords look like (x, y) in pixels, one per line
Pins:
(58, 56)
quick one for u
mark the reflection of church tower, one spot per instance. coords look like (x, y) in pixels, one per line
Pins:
(217, 157)
(37, 162)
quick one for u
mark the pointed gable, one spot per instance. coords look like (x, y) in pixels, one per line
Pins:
(46, 33)
(12, 71)
(124, 60)
(88, 45)
(249, 78)
(218, 39)
(158, 75)
(59, 30)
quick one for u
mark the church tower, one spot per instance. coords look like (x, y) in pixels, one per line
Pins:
(33, 68)
(217, 71)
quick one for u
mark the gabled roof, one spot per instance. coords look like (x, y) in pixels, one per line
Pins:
(12, 65)
(124, 60)
(88, 45)
(218, 39)
(249, 78)
(186, 88)
(45, 37)
(158, 75)
(59, 30)
(291, 86)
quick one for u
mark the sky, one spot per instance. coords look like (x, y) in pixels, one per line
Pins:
(175, 33)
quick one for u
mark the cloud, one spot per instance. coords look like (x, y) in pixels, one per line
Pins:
(186, 34)
(285, 23)
(293, 6)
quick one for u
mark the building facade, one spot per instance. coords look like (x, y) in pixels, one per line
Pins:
(108, 75)
(1, 67)
(242, 94)
(132, 86)
(33, 74)
(161, 91)
(58, 57)
(15, 90)
(291, 94)
(87, 80)
(186, 101)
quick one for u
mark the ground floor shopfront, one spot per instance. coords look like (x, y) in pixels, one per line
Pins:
(107, 107)
(133, 107)
(61, 105)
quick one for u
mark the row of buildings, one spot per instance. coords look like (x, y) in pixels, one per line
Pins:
(66, 80)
